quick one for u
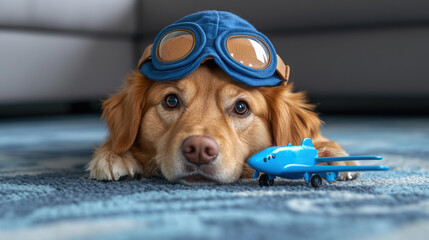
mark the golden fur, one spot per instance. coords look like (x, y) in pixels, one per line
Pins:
(145, 138)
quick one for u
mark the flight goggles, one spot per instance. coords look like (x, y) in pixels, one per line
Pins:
(245, 54)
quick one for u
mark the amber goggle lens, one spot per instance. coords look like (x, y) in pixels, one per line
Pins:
(175, 45)
(249, 51)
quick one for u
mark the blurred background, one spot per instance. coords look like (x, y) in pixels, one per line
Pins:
(352, 57)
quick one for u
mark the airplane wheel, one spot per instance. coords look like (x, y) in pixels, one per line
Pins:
(316, 181)
(263, 180)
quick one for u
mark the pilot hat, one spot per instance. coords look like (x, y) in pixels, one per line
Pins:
(242, 52)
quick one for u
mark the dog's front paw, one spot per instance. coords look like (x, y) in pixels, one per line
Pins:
(107, 166)
(345, 176)
(332, 149)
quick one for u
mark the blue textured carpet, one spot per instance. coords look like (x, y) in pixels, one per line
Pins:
(46, 194)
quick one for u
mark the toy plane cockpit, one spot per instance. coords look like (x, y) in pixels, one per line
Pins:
(296, 162)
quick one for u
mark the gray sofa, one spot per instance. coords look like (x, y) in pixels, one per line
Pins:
(68, 51)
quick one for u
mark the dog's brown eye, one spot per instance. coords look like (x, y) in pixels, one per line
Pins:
(241, 108)
(171, 101)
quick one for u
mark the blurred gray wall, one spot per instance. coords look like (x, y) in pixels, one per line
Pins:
(64, 50)
(81, 50)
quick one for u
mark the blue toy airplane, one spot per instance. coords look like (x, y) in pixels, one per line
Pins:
(295, 162)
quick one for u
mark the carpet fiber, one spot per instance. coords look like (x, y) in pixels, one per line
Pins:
(46, 194)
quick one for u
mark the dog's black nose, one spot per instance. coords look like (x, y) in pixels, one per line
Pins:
(200, 150)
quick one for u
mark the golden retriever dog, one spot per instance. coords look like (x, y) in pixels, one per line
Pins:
(202, 128)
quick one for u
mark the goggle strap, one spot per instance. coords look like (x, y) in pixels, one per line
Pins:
(283, 70)
(146, 55)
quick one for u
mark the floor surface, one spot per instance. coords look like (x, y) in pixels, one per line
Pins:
(46, 194)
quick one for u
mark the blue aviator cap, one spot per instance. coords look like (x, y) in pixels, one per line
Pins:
(210, 33)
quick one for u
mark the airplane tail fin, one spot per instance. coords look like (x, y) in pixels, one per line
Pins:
(307, 142)
(348, 158)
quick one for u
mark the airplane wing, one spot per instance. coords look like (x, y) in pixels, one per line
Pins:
(348, 158)
(323, 169)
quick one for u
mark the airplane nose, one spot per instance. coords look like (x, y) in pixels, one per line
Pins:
(252, 162)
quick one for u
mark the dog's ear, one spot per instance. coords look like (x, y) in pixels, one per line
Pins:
(123, 112)
(291, 117)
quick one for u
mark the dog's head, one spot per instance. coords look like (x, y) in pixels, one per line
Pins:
(205, 111)
(205, 126)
